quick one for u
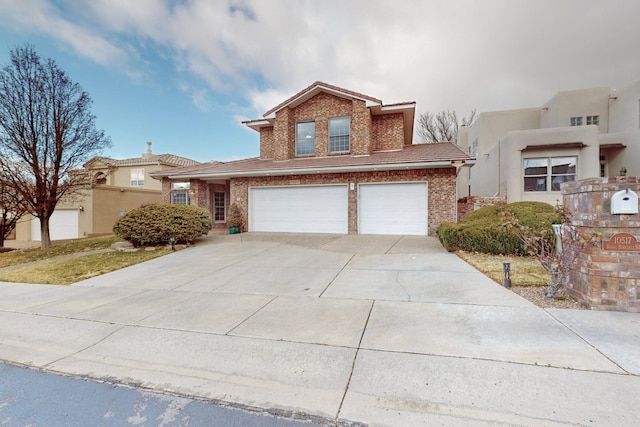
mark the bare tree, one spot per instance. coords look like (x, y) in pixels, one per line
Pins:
(442, 127)
(46, 131)
(12, 208)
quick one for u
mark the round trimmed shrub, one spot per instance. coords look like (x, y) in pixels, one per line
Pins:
(484, 231)
(156, 224)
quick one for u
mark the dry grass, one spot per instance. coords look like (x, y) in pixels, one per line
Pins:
(525, 271)
(73, 270)
(59, 248)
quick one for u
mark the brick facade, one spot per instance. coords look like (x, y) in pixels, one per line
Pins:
(373, 130)
(604, 279)
(441, 186)
(367, 133)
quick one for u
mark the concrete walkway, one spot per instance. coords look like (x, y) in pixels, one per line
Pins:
(378, 330)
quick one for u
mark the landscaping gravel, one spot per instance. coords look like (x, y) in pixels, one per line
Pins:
(535, 294)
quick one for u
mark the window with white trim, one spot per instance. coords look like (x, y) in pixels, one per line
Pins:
(339, 129)
(546, 174)
(576, 121)
(305, 138)
(137, 177)
(180, 198)
(593, 120)
(180, 193)
(219, 206)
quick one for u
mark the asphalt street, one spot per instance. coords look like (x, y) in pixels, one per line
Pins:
(30, 397)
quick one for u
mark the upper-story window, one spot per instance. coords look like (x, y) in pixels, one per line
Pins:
(593, 120)
(137, 177)
(576, 121)
(546, 174)
(305, 138)
(339, 134)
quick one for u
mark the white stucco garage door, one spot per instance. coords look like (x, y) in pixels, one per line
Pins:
(396, 208)
(299, 209)
(63, 224)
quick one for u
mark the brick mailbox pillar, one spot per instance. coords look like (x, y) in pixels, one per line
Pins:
(606, 276)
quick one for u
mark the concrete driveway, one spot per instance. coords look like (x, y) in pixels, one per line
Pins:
(379, 330)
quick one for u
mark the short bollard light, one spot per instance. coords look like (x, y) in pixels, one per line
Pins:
(506, 268)
(172, 242)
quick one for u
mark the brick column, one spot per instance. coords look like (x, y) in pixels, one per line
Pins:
(605, 277)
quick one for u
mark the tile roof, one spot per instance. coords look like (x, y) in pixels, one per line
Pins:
(152, 159)
(417, 155)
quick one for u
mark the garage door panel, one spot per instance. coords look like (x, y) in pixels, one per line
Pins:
(300, 209)
(63, 225)
(398, 208)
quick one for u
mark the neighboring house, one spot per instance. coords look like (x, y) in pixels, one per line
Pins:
(331, 161)
(526, 154)
(117, 187)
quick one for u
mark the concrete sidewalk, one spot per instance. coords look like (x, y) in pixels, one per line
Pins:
(379, 330)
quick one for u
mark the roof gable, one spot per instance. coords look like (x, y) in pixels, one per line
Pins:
(314, 89)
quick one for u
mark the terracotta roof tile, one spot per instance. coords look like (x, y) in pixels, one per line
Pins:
(153, 159)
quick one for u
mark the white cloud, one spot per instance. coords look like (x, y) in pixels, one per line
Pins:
(463, 54)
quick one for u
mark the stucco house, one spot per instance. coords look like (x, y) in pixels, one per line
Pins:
(117, 186)
(331, 161)
(526, 154)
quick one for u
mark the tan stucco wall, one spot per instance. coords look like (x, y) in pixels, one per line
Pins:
(511, 156)
(625, 121)
(108, 202)
(121, 177)
(557, 112)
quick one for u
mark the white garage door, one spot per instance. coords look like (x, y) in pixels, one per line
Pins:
(398, 208)
(63, 224)
(299, 209)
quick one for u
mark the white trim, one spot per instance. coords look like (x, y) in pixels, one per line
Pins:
(334, 169)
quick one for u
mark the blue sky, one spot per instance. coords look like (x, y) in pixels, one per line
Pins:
(184, 74)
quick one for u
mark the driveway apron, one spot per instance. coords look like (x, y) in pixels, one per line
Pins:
(381, 330)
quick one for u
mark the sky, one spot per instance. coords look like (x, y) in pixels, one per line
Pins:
(184, 74)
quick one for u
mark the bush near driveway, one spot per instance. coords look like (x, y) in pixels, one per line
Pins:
(484, 231)
(156, 224)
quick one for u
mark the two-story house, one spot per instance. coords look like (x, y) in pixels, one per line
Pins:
(331, 161)
(526, 154)
(117, 186)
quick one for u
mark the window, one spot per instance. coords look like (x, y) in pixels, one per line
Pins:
(339, 134)
(219, 207)
(546, 174)
(576, 121)
(180, 185)
(137, 177)
(593, 120)
(305, 138)
(181, 198)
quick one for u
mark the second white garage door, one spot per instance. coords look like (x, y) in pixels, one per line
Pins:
(299, 209)
(398, 208)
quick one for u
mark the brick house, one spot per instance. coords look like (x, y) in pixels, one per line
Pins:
(331, 161)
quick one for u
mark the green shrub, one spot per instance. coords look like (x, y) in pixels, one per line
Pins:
(156, 224)
(483, 230)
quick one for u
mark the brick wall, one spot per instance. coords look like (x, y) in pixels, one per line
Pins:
(441, 187)
(604, 279)
(468, 204)
(367, 133)
(388, 132)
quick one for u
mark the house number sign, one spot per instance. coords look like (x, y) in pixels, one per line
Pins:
(621, 242)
